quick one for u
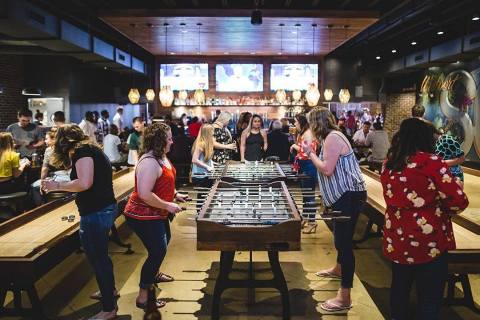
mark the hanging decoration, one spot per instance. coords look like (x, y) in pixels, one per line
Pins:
(297, 95)
(166, 96)
(312, 95)
(199, 97)
(150, 95)
(344, 95)
(281, 96)
(182, 95)
(328, 94)
(133, 96)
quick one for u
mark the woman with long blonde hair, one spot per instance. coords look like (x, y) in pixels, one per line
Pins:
(10, 165)
(202, 156)
(223, 143)
(343, 189)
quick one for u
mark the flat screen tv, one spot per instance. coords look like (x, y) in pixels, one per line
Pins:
(239, 77)
(184, 76)
(293, 76)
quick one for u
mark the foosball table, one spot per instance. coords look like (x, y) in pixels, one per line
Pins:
(250, 214)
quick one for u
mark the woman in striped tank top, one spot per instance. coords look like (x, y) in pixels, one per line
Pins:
(343, 189)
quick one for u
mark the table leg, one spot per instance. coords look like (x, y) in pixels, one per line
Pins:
(226, 262)
(280, 282)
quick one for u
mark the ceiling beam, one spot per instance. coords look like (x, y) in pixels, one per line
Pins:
(287, 3)
(170, 3)
(315, 3)
(196, 3)
(345, 3)
(274, 13)
(225, 3)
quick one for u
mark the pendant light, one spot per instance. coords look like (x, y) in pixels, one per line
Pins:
(183, 95)
(199, 51)
(133, 94)
(328, 94)
(281, 96)
(150, 93)
(344, 96)
(199, 97)
(297, 95)
(166, 94)
(312, 95)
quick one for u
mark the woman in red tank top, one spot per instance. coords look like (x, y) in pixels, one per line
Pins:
(151, 204)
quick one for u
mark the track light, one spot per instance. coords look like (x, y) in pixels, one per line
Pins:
(476, 17)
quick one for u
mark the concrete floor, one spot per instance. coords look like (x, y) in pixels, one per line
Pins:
(64, 291)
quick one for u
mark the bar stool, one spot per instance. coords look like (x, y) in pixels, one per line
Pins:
(14, 201)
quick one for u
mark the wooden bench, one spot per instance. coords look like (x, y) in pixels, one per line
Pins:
(462, 261)
(36, 241)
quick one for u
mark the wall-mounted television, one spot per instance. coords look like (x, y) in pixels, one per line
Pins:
(239, 77)
(184, 76)
(293, 76)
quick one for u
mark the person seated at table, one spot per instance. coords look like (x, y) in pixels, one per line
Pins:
(11, 166)
(278, 143)
(378, 142)
(253, 142)
(359, 140)
(113, 148)
(47, 169)
(27, 136)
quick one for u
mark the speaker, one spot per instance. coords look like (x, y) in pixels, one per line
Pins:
(256, 18)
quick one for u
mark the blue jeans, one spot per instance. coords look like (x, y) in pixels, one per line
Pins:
(309, 209)
(429, 279)
(350, 204)
(94, 230)
(153, 235)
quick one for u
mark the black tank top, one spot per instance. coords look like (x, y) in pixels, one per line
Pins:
(253, 147)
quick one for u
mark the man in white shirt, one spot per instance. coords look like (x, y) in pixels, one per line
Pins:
(112, 146)
(118, 119)
(359, 140)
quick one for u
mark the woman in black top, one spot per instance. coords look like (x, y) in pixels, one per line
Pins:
(253, 142)
(91, 179)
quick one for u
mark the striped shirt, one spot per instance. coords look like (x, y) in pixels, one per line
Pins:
(346, 177)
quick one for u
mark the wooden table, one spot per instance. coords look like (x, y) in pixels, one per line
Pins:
(32, 243)
(464, 260)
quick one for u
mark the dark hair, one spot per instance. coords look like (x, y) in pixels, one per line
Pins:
(194, 119)
(257, 116)
(413, 136)
(89, 116)
(59, 116)
(168, 117)
(302, 120)
(139, 119)
(95, 114)
(25, 113)
(38, 115)
(367, 123)
(68, 137)
(418, 111)
(377, 125)
(155, 139)
(104, 113)
(114, 130)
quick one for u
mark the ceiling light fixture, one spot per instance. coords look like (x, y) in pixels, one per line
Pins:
(440, 32)
(378, 57)
(281, 38)
(199, 26)
(476, 17)
(297, 25)
(413, 43)
(256, 18)
(394, 50)
(133, 94)
(314, 26)
(150, 93)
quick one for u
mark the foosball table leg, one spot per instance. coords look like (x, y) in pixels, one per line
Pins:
(226, 262)
(280, 282)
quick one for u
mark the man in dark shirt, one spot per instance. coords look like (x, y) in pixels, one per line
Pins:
(278, 144)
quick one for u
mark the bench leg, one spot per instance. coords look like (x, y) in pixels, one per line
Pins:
(467, 299)
(115, 237)
(368, 233)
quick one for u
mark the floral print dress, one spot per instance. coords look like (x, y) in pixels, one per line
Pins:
(221, 135)
(420, 200)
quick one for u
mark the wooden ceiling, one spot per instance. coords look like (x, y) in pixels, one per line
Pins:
(237, 36)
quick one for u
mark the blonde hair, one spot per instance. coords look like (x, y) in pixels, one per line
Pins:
(6, 142)
(224, 117)
(321, 122)
(204, 141)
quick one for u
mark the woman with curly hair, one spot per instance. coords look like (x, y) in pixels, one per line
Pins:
(343, 189)
(151, 204)
(91, 179)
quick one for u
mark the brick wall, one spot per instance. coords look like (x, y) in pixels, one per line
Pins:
(399, 106)
(12, 82)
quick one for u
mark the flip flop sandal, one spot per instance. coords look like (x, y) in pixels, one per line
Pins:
(333, 307)
(98, 295)
(327, 274)
(160, 304)
(162, 277)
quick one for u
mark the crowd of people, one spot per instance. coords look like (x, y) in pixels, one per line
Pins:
(421, 189)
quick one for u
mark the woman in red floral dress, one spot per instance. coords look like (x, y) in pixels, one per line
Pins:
(421, 194)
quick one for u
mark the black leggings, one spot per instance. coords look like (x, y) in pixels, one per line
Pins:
(350, 204)
(429, 279)
(11, 186)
